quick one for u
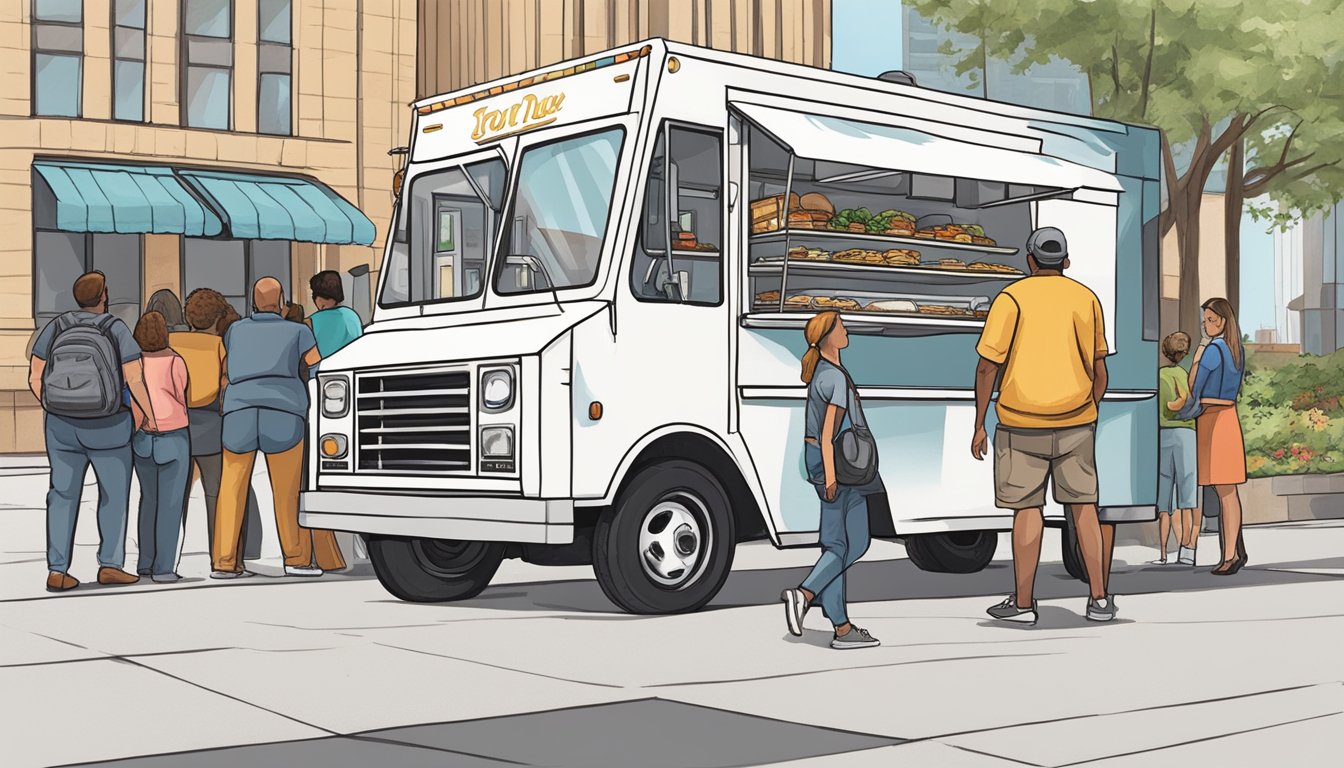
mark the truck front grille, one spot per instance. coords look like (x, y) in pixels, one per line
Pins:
(418, 422)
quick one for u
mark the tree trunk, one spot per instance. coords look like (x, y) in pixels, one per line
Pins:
(1187, 225)
(1233, 202)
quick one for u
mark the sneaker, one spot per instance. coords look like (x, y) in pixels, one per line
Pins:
(165, 578)
(1187, 557)
(230, 574)
(854, 638)
(795, 608)
(1101, 610)
(1008, 611)
(1157, 562)
(303, 570)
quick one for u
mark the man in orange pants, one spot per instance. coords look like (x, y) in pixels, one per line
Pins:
(265, 407)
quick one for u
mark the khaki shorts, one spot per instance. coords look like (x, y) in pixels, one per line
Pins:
(1024, 459)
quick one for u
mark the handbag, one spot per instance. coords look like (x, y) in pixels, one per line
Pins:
(855, 448)
(1194, 406)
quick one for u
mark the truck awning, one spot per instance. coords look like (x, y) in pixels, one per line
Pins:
(258, 207)
(892, 147)
(125, 199)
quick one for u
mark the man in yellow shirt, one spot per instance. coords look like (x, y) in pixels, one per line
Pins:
(1046, 335)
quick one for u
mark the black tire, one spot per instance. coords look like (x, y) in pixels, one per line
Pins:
(628, 568)
(956, 552)
(434, 570)
(1070, 552)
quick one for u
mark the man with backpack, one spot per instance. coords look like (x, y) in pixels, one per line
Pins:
(82, 363)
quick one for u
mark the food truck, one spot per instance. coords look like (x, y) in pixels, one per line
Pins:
(589, 318)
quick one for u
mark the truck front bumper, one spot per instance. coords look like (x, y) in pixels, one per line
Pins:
(461, 518)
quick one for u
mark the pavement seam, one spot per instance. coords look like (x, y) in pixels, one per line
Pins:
(988, 754)
(208, 689)
(445, 750)
(500, 667)
(1157, 708)
(1204, 740)
(811, 672)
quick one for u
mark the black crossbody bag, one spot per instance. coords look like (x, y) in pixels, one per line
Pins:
(855, 448)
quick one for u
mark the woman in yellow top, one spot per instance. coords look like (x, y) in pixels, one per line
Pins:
(203, 351)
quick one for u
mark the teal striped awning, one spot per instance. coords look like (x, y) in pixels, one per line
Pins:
(258, 207)
(126, 199)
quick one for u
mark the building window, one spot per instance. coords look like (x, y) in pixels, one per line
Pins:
(58, 57)
(274, 63)
(207, 56)
(128, 60)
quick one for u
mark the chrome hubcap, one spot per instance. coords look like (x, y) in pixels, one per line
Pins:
(672, 542)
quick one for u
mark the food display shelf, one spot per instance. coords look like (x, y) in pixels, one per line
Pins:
(814, 267)
(869, 323)
(796, 235)
(678, 253)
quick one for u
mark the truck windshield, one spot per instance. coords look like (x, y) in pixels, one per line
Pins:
(560, 212)
(445, 232)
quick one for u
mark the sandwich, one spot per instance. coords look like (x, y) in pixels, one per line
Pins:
(836, 302)
(892, 305)
(769, 297)
(798, 302)
(951, 264)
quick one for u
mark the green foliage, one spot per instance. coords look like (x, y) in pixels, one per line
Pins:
(1293, 417)
(1187, 65)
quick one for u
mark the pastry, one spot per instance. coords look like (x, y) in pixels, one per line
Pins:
(926, 234)
(984, 266)
(769, 297)
(982, 240)
(798, 252)
(857, 227)
(962, 238)
(815, 201)
(798, 302)
(837, 302)
(901, 257)
(951, 264)
(896, 231)
(892, 305)
(941, 309)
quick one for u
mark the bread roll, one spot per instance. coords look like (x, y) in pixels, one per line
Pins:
(892, 305)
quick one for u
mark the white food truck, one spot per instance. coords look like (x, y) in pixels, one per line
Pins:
(588, 327)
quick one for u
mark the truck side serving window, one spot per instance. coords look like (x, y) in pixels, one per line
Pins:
(560, 214)
(445, 235)
(683, 200)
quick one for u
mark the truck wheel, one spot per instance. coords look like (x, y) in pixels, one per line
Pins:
(1070, 553)
(956, 552)
(434, 570)
(667, 544)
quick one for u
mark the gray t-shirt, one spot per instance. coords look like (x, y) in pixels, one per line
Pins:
(262, 361)
(829, 387)
(126, 346)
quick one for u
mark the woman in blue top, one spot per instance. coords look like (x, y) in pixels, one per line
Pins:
(844, 509)
(1215, 379)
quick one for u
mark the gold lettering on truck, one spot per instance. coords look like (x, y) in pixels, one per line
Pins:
(531, 112)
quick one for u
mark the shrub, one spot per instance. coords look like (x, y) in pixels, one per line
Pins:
(1293, 417)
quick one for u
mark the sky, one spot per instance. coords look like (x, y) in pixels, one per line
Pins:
(866, 39)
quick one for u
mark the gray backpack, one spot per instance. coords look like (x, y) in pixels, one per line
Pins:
(83, 379)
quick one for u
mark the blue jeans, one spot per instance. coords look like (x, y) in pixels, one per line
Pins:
(163, 466)
(844, 539)
(72, 445)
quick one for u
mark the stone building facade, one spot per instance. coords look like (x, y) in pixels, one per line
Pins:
(181, 143)
(463, 42)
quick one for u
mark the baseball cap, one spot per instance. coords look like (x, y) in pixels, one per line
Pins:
(1048, 245)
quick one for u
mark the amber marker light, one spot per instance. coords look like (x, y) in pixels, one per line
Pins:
(595, 411)
(673, 64)
(333, 446)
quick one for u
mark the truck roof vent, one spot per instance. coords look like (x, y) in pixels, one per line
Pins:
(898, 76)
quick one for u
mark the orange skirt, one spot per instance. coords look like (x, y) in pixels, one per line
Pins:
(1221, 450)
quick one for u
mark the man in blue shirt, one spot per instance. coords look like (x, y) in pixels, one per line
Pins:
(265, 409)
(73, 443)
(334, 325)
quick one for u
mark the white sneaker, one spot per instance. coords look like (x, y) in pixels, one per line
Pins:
(303, 570)
(230, 574)
(1187, 556)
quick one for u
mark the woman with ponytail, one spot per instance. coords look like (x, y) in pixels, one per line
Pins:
(844, 509)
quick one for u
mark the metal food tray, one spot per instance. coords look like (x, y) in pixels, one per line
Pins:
(971, 303)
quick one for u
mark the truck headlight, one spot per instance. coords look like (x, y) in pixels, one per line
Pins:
(333, 446)
(497, 389)
(335, 397)
(497, 443)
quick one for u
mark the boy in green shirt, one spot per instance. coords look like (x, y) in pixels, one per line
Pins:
(1177, 481)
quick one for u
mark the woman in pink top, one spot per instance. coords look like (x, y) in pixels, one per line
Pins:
(162, 458)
